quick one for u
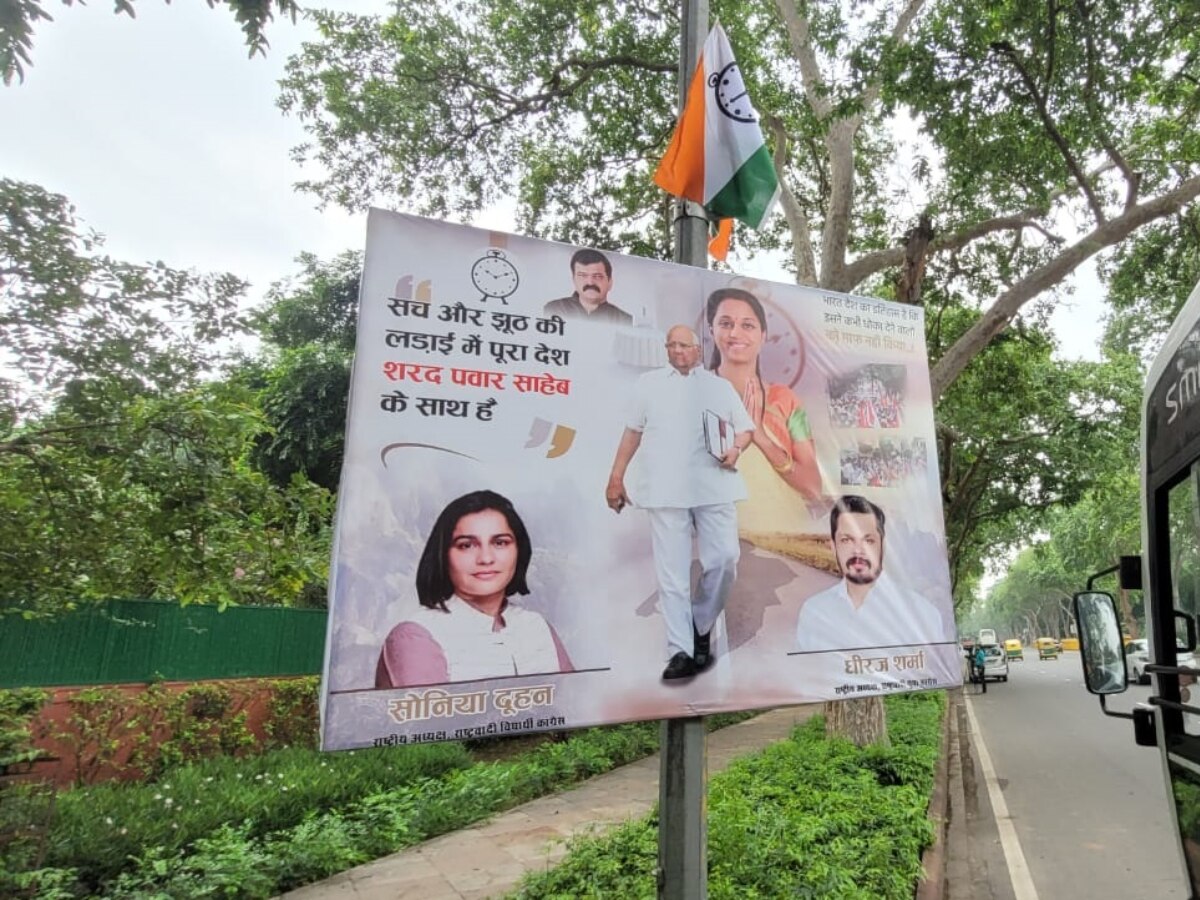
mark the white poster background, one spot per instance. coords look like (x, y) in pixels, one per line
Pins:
(591, 576)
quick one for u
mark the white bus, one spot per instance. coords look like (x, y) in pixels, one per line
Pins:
(1168, 571)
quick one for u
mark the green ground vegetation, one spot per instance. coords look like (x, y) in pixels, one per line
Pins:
(259, 825)
(809, 817)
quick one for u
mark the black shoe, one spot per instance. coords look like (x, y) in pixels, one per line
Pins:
(702, 652)
(680, 666)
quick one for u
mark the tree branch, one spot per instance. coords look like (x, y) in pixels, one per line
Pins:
(865, 266)
(835, 236)
(1132, 179)
(553, 88)
(802, 251)
(870, 93)
(1008, 304)
(23, 443)
(810, 73)
(1040, 104)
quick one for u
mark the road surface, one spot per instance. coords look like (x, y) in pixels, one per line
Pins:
(1087, 808)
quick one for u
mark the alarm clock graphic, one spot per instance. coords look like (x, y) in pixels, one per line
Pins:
(731, 95)
(783, 355)
(494, 275)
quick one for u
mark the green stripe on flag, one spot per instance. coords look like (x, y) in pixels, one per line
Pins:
(748, 194)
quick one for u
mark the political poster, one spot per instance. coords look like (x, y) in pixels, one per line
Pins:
(583, 488)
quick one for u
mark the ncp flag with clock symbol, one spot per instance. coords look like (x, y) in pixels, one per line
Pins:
(717, 156)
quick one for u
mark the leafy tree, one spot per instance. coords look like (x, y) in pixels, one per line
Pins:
(1149, 280)
(1089, 536)
(304, 377)
(80, 327)
(18, 17)
(157, 499)
(318, 307)
(303, 397)
(1023, 433)
(124, 468)
(1031, 114)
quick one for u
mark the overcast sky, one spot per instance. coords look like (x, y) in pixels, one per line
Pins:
(167, 139)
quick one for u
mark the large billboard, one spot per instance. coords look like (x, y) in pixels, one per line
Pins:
(583, 488)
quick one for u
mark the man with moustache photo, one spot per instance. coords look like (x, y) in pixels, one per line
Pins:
(591, 273)
(687, 487)
(866, 608)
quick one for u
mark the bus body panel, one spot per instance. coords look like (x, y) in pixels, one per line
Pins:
(1170, 526)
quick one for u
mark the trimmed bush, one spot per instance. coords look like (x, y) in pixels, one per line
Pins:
(805, 818)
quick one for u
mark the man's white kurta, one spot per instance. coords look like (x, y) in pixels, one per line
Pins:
(673, 466)
(685, 490)
(888, 617)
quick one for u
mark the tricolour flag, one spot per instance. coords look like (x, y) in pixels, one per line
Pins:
(717, 156)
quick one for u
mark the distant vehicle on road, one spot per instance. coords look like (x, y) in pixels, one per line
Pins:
(1014, 650)
(987, 636)
(1047, 648)
(1137, 657)
(995, 663)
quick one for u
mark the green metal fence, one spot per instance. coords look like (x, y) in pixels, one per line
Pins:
(126, 641)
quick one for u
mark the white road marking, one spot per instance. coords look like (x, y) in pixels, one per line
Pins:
(1018, 870)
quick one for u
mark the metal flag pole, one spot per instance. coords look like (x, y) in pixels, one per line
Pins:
(682, 813)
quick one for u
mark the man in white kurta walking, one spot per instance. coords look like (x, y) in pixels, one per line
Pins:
(866, 608)
(689, 484)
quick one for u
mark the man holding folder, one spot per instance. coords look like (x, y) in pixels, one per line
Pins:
(690, 427)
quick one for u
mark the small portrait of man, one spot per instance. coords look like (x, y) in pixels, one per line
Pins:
(866, 608)
(688, 488)
(591, 274)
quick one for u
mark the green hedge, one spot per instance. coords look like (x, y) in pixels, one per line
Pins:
(805, 818)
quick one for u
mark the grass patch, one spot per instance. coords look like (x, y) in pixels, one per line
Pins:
(805, 818)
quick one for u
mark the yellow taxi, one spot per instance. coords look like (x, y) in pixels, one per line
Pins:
(1014, 650)
(1047, 648)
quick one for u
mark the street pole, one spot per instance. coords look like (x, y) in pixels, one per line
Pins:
(683, 766)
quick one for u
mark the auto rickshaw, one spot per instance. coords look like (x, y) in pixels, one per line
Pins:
(1014, 650)
(1047, 648)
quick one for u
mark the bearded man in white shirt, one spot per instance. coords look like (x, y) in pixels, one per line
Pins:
(686, 488)
(866, 608)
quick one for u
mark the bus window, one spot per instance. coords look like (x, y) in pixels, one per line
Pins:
(1183, 516)
(1182, 731)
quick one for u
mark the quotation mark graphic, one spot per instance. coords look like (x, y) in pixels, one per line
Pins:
(404, 290)
(539, 431)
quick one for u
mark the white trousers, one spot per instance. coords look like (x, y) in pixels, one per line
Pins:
(717, 546)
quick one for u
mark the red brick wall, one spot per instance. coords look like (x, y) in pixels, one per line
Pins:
(63, 766)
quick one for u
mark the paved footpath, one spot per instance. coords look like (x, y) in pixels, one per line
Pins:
(489, 859)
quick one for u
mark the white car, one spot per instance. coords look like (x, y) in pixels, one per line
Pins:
(995, 663)
(1137, 657)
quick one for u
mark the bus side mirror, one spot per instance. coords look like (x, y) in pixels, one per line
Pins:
(1189, 629)
(1129, 573)
(1100, 646)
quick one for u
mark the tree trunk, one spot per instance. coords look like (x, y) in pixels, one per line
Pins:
(862, 721)
(916, 252)
(1127, 618)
